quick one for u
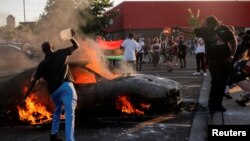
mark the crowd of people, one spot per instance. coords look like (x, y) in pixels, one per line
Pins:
(217, 47)
(164, 52)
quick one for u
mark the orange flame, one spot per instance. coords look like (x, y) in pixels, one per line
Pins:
(123, 104)
(94, 59)
(167, 30)
(34, 112)
(145, 106)
(82, 76)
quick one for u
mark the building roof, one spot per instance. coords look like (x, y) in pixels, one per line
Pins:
(159, 14)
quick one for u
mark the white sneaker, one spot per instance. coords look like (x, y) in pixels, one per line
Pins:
(196, 73)
(204, 74)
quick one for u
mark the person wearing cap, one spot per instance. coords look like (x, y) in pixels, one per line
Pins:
(220, 49)
(55, 71)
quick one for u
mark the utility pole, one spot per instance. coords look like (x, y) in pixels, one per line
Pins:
(24, 29)
(24, 11)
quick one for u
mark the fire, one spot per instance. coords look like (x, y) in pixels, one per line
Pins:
(145, 106)
(94, 59)
(82, 76)
(167, 30)
(34, 112)
(123, 104)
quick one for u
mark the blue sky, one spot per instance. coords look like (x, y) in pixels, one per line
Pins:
(35, 7)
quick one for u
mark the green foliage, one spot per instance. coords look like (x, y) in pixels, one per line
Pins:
(96, 17)
(88, 15)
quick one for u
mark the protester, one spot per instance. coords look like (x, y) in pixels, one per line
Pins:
(171, 47)
(55, 70)
(200, 57)
(139, 55)
(130, 47)
(236, 57)
(241, 72)
(220, 49)
(182, 51)
(156, 50)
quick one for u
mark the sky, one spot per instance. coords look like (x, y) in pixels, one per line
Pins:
(35, 7)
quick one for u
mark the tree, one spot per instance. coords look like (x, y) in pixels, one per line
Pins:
(96, 16)
(60, 14)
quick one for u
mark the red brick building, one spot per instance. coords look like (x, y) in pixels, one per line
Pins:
(148, 18)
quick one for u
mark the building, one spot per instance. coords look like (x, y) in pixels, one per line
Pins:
(30, 25)
(10, 22)
(148, 18)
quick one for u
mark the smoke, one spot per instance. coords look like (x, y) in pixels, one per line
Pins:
(92, 57)
(63, 15)
(59, 15)
(12, 59)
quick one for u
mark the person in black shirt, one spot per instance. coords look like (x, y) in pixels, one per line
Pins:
(55, 70)
(220, 49)
(182, 47)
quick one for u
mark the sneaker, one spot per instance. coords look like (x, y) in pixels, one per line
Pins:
(196, 73)
(54, 137)
(205, 74)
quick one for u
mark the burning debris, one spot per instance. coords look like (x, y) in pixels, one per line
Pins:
(123, 103)
(34, 112)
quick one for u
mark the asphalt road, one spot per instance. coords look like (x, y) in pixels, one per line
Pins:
(172, 126)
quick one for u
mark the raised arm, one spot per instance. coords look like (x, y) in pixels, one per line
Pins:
(74, 43)
(185, 30)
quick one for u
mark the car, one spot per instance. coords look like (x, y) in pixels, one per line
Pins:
(135, 94)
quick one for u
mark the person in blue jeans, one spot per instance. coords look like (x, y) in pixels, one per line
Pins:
(55, 70)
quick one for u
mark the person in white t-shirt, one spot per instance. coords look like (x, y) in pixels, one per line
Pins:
(130, 48)
(139, 55)
(200, 57)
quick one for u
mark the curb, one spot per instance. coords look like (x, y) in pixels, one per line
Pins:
(199, 126)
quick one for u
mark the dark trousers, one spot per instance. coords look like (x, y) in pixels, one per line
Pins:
(139, 61)
(219, 73)
(200, 60)
(156, 59)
